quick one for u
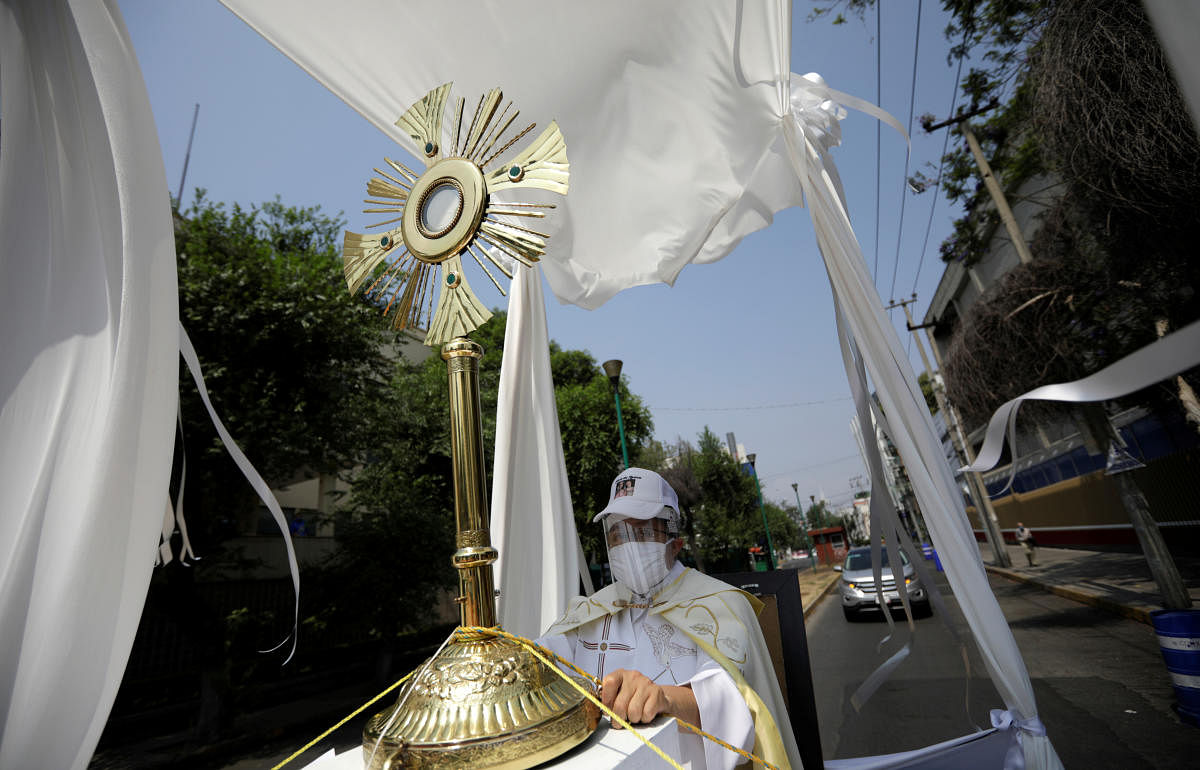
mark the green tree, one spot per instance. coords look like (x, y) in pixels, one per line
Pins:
(726, 515)
(295, 368)
(396, 529)
(677, 464)
(402, 503)
(1086, 96)
(293, 364)
(818, 515)
(927, 391)
(592, 445)
(785, 532)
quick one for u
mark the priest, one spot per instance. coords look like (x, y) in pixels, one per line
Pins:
(668, 640)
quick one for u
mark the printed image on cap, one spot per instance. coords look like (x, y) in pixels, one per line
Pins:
(625, 486)
(640, 494)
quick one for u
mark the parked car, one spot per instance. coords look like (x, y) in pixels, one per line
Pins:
(857, 586)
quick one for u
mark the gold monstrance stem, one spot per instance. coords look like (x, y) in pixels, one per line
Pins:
(485, 702)
(475, 554)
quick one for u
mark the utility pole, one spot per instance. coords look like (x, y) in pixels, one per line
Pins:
(962, 447)
(989, 180)
(812, 558)
(762, 510)
(1174, 591)
(188, 156)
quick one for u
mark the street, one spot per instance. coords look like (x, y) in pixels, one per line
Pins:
(1101, 686)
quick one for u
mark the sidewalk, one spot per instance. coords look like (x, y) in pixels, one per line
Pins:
(813, 585)
(1118, 582)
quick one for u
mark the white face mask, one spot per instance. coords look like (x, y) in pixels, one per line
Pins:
(640, 566)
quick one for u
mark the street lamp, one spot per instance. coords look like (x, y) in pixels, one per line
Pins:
(812, 557)
(612, 368)
(770, 548)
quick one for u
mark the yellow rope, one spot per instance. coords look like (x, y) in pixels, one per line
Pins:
(348, 717)
(478, 633)
(474, 633)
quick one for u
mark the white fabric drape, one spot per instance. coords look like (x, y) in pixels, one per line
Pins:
(669, 111)
(89, 380)
(533, 526)
(651, 87)
(810, 136)
(685, 132)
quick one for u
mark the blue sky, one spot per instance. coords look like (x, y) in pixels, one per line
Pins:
(744, 345)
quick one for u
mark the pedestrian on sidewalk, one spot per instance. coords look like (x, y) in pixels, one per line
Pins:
(1027, 541)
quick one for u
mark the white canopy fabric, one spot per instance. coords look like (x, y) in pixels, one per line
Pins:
(685, 132)
(533, 526)
(88, 385)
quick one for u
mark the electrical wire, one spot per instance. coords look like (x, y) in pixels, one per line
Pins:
(810, 467)
(745, 408)
(938, 182)
(912, 100)
(878, 126)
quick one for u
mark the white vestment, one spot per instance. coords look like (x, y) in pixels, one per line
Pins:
(636, 640)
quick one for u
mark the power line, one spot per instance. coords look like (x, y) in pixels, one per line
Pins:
(810, 467)
(912, 100)
(745, 408)
(878, 157)
(938, 183)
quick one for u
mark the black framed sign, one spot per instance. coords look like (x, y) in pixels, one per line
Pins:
(782, 623)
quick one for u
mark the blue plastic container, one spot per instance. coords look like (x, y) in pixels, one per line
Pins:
(927, 550)
(1179, 641)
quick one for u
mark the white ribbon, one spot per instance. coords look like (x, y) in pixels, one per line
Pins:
(1014, 758)
(1163, 358)
(165, 555)
(173, 519)
(252, 475)
(185, 548)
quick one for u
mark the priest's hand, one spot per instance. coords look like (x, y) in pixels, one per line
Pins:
(633, 697)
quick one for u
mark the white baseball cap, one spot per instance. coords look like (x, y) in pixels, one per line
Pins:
(637, 493)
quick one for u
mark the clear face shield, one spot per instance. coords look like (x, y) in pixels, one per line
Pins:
(637, 551)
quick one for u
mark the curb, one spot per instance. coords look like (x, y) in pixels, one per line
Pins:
(1083, 596)
(821, 594)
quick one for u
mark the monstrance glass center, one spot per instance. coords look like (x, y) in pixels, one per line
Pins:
(441, 208)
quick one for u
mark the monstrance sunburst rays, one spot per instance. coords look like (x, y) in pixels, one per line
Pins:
(448, 211)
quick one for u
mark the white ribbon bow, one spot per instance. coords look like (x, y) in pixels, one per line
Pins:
(1014, 759)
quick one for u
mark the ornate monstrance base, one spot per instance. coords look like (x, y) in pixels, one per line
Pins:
(479, 704)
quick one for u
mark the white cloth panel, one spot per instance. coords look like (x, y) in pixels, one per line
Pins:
(809, 138)
(532, 523)
(88, 388)
(679, 143)
(670, 111)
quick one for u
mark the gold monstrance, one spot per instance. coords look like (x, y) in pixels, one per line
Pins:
(484, 702)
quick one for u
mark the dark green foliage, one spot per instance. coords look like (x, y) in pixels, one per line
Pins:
(397, 529)
(785, 531)
(592, 444)
(292, 363)
(818, 516)
(1086, 97)
(728, 521)
(927, 391)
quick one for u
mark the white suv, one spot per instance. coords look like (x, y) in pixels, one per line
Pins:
(857, 585)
